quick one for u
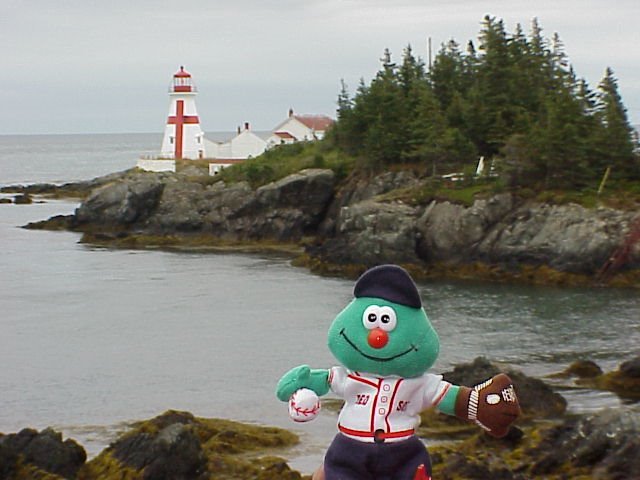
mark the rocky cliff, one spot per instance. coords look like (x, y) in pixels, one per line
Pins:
(361, 221)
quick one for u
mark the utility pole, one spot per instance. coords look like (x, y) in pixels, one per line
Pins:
(429, 52)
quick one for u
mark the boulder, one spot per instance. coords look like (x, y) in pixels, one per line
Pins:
(582, 369)
(180, 208)
(358, 189)
(370, 232)
(536, 398)
(624, 382)
(605, 444)
(173, 452)
(23, 199)
(451, 232)
(43, 450)
(631, 368)
(287, 209)
(178, 446)
(71, 189)
(8, 460)
(568, 238)
(122, 203)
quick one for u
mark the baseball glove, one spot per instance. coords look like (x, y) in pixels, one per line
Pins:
(493, 405)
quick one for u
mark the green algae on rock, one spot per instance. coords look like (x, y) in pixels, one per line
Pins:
(178, 445)
(43, 455)
(624, 382)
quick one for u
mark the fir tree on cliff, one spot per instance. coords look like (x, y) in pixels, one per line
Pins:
(616, 139)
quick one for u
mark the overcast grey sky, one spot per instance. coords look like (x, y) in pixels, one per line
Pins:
(91, 66)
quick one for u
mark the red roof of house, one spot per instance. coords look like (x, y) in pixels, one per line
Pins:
(225, 161)
(286, 135)
(319, 123)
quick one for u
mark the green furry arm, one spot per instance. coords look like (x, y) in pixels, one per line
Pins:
(448, 403)
(302, 377)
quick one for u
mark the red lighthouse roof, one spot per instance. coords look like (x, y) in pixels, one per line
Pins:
(182, 73)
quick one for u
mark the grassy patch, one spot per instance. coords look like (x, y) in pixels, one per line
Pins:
(284, 160)
(621, 195)
(443, 190)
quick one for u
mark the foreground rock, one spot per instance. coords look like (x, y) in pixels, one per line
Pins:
(179, 446)
(33, 454)
(71, 189)
(172, 446)
(603, 445)
(624, 381)
(537, 400)
(545, 443)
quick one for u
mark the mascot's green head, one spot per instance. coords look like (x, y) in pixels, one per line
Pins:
(384, 330)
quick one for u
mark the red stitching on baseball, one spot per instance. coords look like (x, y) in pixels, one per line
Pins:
(304, 411)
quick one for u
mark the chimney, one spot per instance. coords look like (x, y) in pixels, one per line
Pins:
(246, 125)
(238, 129)
(290, 112)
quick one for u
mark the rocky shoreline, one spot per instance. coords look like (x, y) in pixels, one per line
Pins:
(545, 443)
(346, 226)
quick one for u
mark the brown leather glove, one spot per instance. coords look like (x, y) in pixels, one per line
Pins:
(492, 404)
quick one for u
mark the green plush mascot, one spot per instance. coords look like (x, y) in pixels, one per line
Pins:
(386, 344)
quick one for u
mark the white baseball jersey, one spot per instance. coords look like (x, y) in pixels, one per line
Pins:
(383, 408)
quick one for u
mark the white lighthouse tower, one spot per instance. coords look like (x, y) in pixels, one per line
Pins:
(183, 137)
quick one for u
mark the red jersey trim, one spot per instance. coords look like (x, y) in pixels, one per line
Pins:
(385, 435)
(363, 380)
(441, 396)
(393, 398)
(375, 405)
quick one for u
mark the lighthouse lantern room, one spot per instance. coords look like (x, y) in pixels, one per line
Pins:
(183, 137)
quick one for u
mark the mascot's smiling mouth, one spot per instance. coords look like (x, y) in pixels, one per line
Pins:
(371, 357)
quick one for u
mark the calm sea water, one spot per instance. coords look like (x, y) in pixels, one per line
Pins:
(92, 338)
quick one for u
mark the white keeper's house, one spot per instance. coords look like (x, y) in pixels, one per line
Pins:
(184, 138)
(249, 144)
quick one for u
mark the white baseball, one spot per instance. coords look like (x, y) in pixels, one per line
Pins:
(304, 405)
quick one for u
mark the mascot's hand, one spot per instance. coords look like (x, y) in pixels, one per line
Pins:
(302, 377)
(492, 404)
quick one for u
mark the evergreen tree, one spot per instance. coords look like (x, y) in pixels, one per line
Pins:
(342, 136)
(493, 85)
(387, 117)
(411, 72)
(616, 144)
(447, 74)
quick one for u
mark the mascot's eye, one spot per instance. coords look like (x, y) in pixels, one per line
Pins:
(388, 319)
(371, 316)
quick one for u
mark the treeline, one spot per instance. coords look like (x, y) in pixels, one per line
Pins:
(516, 100)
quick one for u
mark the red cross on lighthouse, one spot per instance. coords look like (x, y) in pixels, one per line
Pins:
(179, 119)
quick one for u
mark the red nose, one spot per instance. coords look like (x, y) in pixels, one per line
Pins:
(378, 338)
